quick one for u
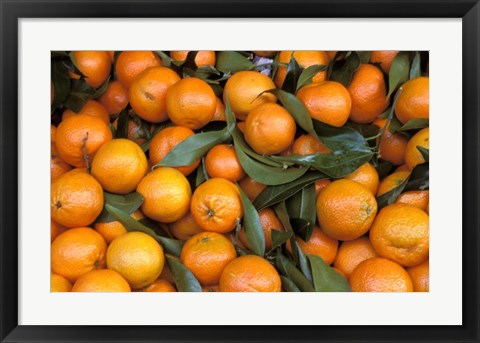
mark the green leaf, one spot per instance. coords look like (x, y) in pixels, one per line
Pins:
(252, 225)
(166, 59)
(61, 83)
(343, 70)
(201, 173)
(415, 68)
(80, 93)
(99, 92)
(302, 259)
(288, 285)
(146, 146)
(308, 73)
(185, 281)
(424, 151)
(292, 75)
(383, 169)
(74, 66)
(302, 206)
(272, 195)
(414, 124)
(364, 56)
(159, 231)
(279, 238)
(398, 73)
(325, 278)
(231, 62)
(288, 269)
(334, 60)
(391, 196)
(128, 203)
(122, 125)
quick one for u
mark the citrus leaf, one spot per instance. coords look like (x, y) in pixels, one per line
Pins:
(302, 259)
(308, 73)
(272, 195)
(325, 278)
(190, 60)
(398, 73)
(302, 206)
(383, 169)
(391, 196)
(343, 70)
(128, 203)
(288, 285)
(154, 226)
(100, 90)
(166, 59)
(80, 93)
(201, 173)
(424, 152)
(414, 124)
(334, 60)
(364, 56)
(252, 225)
(185, 281)
(293, 73)
(122, 125)
(231, 62)
(146, 145)
(61, 83)
(288, 269)
(279, 238)
(415, 68)
(74, 66)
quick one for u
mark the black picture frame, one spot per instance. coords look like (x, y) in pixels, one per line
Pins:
(11, 11)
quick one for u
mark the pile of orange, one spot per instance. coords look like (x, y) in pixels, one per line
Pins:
(196, 224)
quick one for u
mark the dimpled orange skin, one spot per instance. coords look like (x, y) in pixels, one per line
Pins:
(222, 161)
(165, 141)
(95, 65)
(319, 244)
(58, 167)
(401, 233)
(76, 252)
(137, 257)
(115, 98)
(327, 101)
(202, 58)
(76, 199)
(207, 254)
(366, 175)
(78, 132)
(112, 230)
(392, 145)
(418, 199)
(59, 284)
(148, 93)
(346, 209)
(185, 227)
(412, 155)
(216, 205)
(269, 222)
(420, 276)
(380, 275)
(119, 166)
(219, 114)
(269, 129)
(244, 89)
(384, 57)
(191, 102)
(392, 181)
(131, 63)
(305, 59)
(352, 253)
(102, 280)
(160, 286)
(413, 102)
(251, 188)
(308, 145)
(91, 108)
(166, 194)
(250, 273)
(368, 93)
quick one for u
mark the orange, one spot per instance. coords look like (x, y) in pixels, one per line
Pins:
(185, 227)
(191, 102)
(392, 145)
(53, 133)
(165, 141)
(148, 93)
(269, 221)
(76, 199)
(214, 288)
(91, 108)
(219, 114)
(365, 175)
(241, 126)
(222, 161)
(415, 198)
(403, 167)
(413, 156)
(207, 254)
(308, 145)
(413, 101)
(269, 129)
(319, 244)
(392, 181)
(245, 90)
(160, 286)
(131, 63)
(111, 55)
(420, 276)
(384, 57)
(58, 167)
(251, 188)
(202, 58)
(401, 233)
(320, 185)
(328, 102)
(305, 59)
(216, 205)
(115, 98)
(55, 230)
(166, 194)
(250, 273)
(79, 137)
(119, 166)
(95, 65)
(368, 93)
(76, 252)
(380, 275)
(103, 280)
(346, 209)
(112, 230)
(137, 257)
(352, 253)
(59, 284)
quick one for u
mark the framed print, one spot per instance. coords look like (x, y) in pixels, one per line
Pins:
(263, 168)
